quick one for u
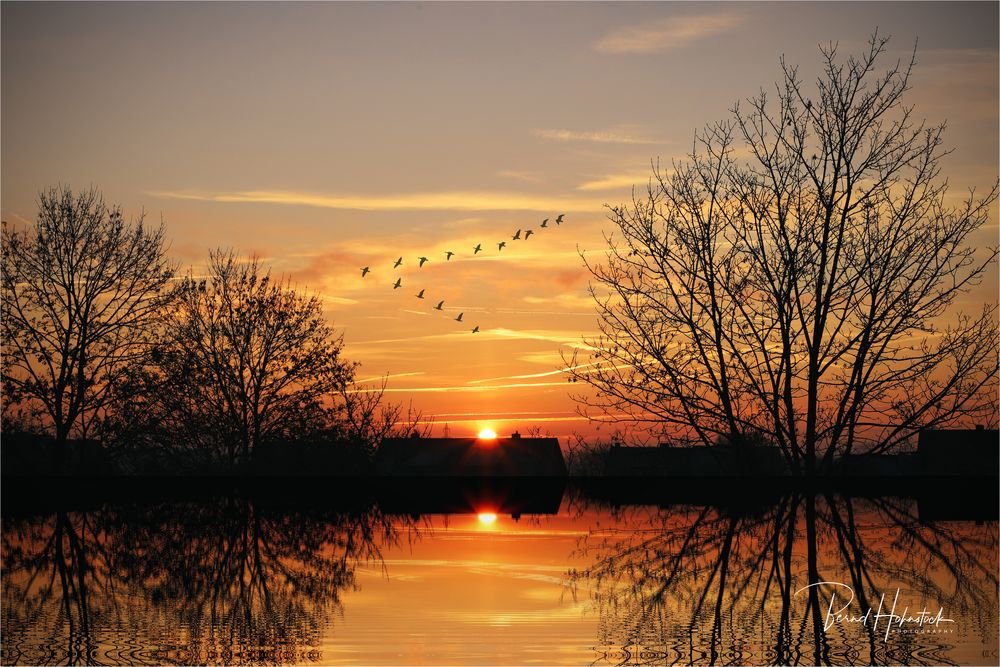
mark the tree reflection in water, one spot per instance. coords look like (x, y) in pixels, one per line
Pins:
(219, 582)
(705, 586)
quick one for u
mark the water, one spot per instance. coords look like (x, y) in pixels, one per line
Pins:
(237, 578)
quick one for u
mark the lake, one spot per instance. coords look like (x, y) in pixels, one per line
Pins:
(460, 575)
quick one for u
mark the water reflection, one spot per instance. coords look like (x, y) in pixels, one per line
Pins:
(216, 582)
(710, 586)
(461, 575)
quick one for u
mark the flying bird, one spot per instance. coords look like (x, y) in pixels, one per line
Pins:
(422, 260)
(559, 218)
(459, 318)
(365, 271)
(479, 246)
(398, 262)
(476, 329)
(399, 283)
(439, 306)
(528, 233)
(545, 223)
(420, 295)
(448, 255)
(501, 245)
(517, 236)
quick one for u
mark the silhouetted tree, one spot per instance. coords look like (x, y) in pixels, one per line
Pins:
(789, 282)
(361, 415)
(244, 359)
(79, 292)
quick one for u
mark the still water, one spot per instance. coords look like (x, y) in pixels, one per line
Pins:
(549, 578)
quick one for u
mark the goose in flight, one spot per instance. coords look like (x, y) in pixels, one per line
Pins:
(459, 318)
(545, 223)
(479, 246)
(448, 255)
(420, 294)
(528, 233)
(476, 329)
(364, 271)
(422, 260)
(501, 245)
(517, 236)
(398, 262)
(439, 306)
(399, 283)
(559, 218)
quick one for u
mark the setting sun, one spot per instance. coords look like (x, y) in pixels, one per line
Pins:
(487, 434)
(487, 518)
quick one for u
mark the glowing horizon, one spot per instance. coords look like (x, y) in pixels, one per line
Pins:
(287, 131)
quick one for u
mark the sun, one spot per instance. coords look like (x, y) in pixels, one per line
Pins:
(487, 518)
(487, 434)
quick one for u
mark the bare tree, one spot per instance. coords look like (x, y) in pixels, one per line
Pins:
(790, 281)
(362, 415)
(244, 359)
(79, 292)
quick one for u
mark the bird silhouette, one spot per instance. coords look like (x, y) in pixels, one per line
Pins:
(479, 246)
(399, 283)
(422, 260)
(364, 271)
(517, 236)
(439, 306)
(420, 294)
(545, 223)
(501, 245)
(559, 218)
(398, 262)
(448, 255)
(476, 329)
(459, 318)
(528, 233)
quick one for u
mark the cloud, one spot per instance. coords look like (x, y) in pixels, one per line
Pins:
(460, 388)
(672, 33)
(615, 136)
(379, 378)
(417, 201)
(566, 300)
(529, 376)
(616, 181)
(525, 176)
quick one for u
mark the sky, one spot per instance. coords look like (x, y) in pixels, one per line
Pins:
(329, 137)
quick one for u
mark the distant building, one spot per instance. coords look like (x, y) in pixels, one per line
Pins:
(470, 457)
(973, 452)
(694, 461)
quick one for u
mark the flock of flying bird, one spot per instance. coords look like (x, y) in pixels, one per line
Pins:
(475, 251)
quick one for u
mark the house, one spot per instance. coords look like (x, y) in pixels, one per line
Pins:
(470, 457)
(694, 461)
(970, 452)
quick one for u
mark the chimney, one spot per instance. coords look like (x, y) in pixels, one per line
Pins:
(980, 427)
(515, 436)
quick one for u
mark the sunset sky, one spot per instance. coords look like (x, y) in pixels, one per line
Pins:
(328, 137)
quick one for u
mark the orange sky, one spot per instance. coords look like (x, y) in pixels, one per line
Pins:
(327, 137)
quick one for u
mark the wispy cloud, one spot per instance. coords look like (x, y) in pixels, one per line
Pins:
(616, 181)
(462, 388)
(379, 378)
(340, 300)
(672, 33)
(525, 176)
(614, 136)
(417, 201)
